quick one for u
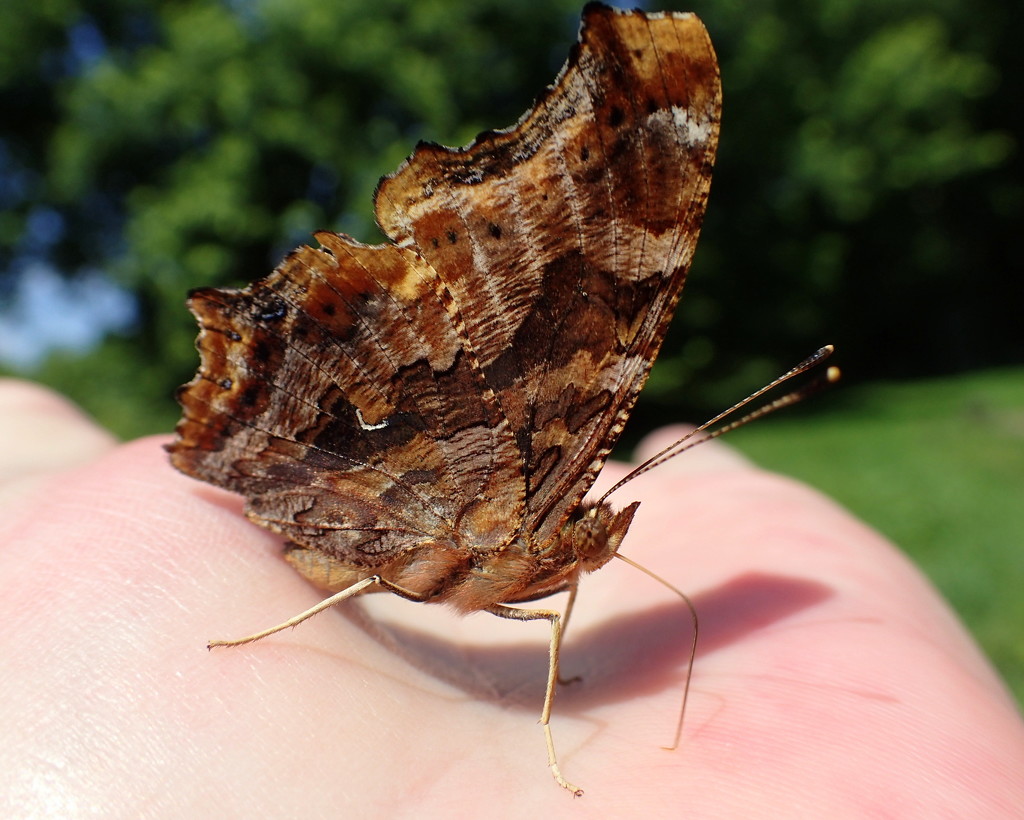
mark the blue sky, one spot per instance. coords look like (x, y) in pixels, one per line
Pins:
(47, 312)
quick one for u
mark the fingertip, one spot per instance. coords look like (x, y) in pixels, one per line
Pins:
(41, 433)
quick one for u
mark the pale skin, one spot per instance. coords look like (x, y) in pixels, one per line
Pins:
(831, 681)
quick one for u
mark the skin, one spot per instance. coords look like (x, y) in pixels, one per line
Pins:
(831, 680)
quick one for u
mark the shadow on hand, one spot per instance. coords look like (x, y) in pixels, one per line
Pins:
(618, 659)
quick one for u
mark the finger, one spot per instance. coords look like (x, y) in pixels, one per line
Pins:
(41, 433)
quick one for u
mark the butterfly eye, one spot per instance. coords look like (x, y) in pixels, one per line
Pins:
(589, 536)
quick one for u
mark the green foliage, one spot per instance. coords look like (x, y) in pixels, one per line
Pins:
(867, 191)
(938, 467)
(895, 118)
(866, 148)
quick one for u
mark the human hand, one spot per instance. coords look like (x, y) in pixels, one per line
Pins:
(830, 679)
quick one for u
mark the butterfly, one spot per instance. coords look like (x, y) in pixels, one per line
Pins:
(425, 416)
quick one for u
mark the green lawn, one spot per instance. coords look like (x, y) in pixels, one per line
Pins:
(938, 466)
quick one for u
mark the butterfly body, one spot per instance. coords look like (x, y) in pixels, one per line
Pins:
(426, 416)
(470, 580)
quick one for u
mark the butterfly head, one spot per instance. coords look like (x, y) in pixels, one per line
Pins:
(598, 532)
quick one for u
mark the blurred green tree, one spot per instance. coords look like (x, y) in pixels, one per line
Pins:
(867, 189)
(867, 193)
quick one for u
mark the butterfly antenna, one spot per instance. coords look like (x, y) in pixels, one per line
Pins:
(704, 433)
(693, 643)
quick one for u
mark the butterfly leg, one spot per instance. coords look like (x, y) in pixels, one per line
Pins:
(327, 603)
(555, 619)
(573, 589)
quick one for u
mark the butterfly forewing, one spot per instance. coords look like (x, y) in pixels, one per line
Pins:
(565, 240)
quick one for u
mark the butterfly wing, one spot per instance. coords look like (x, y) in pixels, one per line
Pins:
(338, 396)
(466, 384)
(565, 240)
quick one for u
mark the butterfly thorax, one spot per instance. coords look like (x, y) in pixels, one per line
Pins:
(587, 542)
(526, 571)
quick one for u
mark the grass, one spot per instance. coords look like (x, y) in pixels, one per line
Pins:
(938, 467)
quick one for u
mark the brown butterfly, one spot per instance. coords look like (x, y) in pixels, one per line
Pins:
(425, 416)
